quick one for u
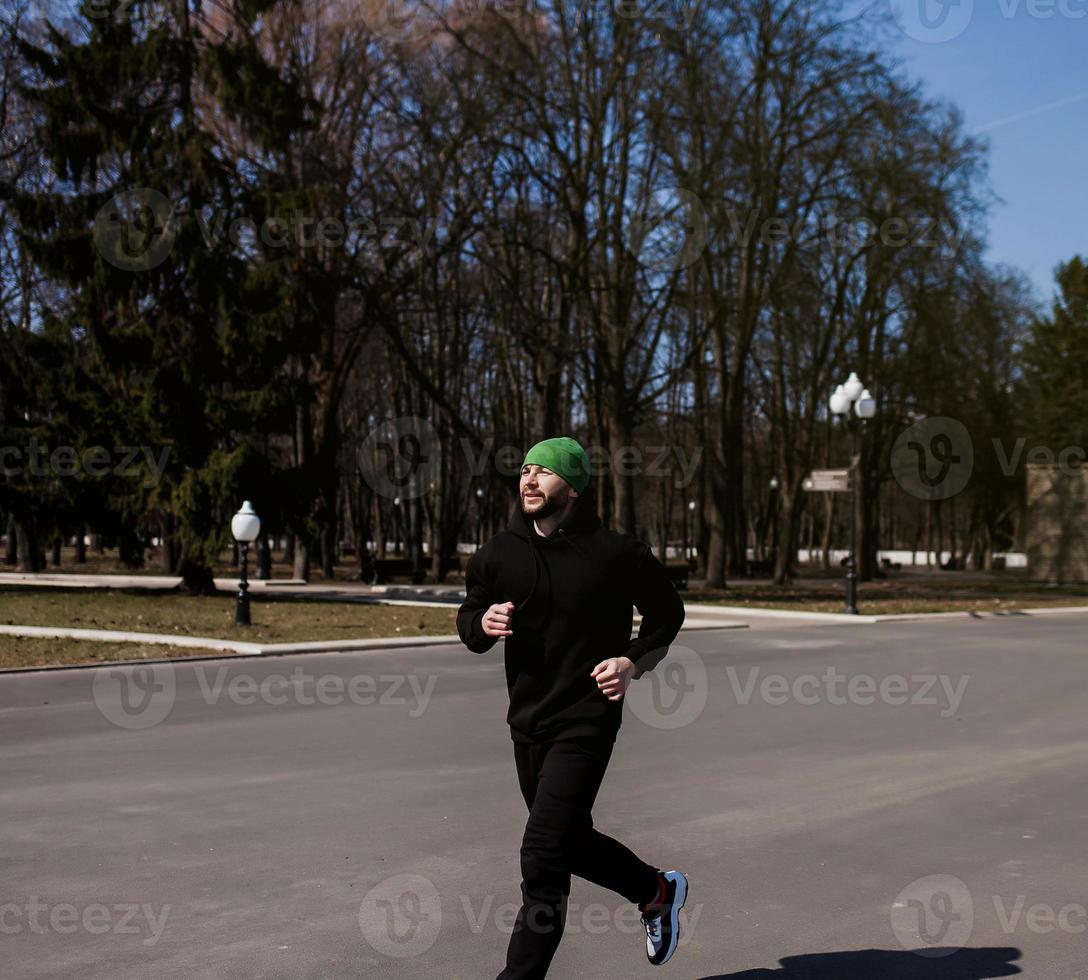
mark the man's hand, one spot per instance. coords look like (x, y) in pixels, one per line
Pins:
(496, 620)
(613, 676)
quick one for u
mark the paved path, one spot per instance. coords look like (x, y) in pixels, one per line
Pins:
(312, 817)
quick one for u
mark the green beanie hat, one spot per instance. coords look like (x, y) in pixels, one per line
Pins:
(562, 455)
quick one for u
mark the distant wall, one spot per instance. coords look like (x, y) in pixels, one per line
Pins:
(1057, 523)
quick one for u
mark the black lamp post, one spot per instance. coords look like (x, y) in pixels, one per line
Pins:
(773, 505)
(479, 517)
(853, 395)
(245, 526)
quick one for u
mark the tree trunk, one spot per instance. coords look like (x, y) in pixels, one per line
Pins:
(29, 556)
(264, 556)
(197, 579)
(302, 557)
(11, 544)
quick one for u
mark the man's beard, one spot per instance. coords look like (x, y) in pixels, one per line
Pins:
(550, 506)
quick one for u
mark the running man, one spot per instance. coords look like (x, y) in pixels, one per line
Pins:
(559, 588)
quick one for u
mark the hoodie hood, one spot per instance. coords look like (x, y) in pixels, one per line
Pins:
(582, 520)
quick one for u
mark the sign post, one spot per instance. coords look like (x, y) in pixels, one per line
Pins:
(827, 481)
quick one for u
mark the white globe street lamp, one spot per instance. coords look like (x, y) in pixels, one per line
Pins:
(852, 403)
(245, 526)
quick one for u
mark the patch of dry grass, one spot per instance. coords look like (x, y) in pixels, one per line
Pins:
(274, 620)
(25, 651)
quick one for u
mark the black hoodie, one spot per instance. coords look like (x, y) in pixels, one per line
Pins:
(573, 594)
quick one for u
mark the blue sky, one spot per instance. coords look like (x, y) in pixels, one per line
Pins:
(1018, 69)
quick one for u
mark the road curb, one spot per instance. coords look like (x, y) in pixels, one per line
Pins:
(761, 612)
(235, 649)
(225, 649)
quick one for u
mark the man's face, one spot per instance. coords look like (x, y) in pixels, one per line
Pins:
(543, 492)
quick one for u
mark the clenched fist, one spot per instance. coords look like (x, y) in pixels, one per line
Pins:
(496, 620)
(613, 676)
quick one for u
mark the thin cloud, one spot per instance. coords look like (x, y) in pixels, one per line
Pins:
(1079, 97)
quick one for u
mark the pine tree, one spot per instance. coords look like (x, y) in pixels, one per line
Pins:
(1055, 385)
(154, 325)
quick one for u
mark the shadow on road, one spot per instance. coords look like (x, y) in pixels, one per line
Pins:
(887, 964)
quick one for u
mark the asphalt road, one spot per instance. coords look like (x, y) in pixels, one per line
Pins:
(836, 795)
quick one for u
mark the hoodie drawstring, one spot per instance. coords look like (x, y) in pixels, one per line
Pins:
(536, 573)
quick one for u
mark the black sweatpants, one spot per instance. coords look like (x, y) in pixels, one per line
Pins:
(559, 781)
